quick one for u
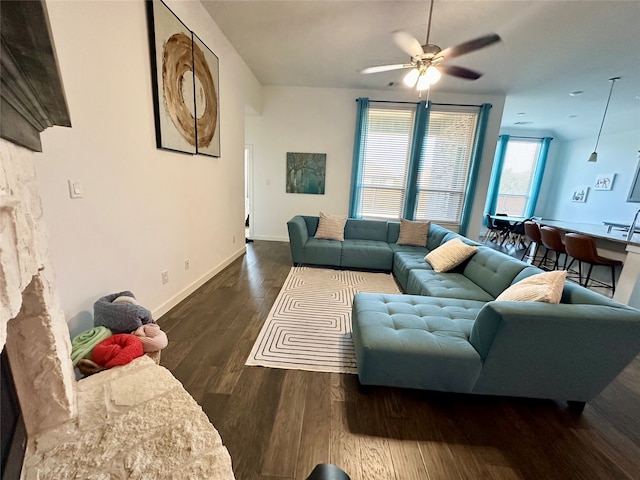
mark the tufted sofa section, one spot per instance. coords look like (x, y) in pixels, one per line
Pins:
(416, 342)
(448, 333)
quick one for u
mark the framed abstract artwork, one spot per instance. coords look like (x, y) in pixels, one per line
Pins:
(185, 85)
(306, 172)
(206, 76)
(173, 79)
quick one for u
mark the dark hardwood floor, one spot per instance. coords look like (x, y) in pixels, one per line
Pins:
(278, 424)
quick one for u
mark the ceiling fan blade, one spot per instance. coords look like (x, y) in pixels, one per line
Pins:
(459, 72)
(468, 47)
(385, 68)
(408, 43)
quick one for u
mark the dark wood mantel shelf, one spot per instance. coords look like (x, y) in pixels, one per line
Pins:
(31, 91)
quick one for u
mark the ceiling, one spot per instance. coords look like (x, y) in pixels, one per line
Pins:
(548, 49)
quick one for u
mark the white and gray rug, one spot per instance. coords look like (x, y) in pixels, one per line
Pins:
(309, 326)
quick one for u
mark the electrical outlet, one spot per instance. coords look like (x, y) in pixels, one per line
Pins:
(186, 264)
(165, 277)
(234, 239)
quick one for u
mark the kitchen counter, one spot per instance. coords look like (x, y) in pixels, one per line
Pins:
(595, 230)
(612, 243)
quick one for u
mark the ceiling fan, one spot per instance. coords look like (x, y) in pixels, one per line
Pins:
(427, 61)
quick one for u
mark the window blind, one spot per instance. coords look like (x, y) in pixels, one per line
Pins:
(444, 165)
(387, 150)
(414, 162)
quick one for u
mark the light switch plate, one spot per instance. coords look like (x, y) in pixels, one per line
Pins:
(75, 189)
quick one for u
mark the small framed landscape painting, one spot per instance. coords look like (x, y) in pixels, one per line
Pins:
(604, 181)
(306, 172)
(580, 194)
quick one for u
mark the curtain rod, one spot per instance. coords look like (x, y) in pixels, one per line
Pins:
(528, 138)
(432, 103)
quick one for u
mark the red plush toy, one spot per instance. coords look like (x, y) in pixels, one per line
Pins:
(118, 349)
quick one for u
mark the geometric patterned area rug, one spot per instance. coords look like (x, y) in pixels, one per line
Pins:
(309, 326)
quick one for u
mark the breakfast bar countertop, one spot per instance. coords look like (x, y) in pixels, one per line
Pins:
(595, 230)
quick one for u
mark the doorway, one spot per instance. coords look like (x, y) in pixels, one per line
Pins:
(248, 189)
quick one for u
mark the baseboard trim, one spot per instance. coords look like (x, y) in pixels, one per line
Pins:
(178, 297)
(270, 239)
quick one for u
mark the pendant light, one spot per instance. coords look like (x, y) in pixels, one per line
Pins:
(594, 155)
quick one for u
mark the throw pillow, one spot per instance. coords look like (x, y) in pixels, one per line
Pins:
(450, 255)
(331, 227)
(413, 233)
(543, 287)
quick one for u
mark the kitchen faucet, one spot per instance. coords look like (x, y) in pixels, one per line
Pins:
(632, 227)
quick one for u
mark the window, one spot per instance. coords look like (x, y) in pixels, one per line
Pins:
(413, 162)
(517, 175)
(387, 146)
(444, 166)
(516, 179)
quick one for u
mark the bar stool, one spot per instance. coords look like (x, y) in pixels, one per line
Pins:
(532, 233)
(328, 471)
(583, 248)
(552, 240)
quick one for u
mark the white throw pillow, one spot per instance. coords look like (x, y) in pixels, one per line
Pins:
(331, 227)
(543, 287)
(450, 255)
(413, 233)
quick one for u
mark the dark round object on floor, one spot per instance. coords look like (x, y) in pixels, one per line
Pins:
(328, 471)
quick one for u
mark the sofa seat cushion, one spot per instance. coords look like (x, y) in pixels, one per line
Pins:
(415, 342)
(321, 252)
(404, 262)
(367, 254)
(445, 285)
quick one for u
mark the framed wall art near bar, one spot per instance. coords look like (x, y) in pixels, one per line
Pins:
(207, 100)
(173, 82)
(579, 194)
(604, 181)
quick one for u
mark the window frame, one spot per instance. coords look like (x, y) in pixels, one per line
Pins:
(411, 188)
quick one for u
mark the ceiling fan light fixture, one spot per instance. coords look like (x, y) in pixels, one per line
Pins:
(423, 83)
(411, 78)
(432, 74)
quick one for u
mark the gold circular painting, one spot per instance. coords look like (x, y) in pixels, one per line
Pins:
(189, 90)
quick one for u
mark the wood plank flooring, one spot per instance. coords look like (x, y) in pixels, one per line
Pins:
(278, 424)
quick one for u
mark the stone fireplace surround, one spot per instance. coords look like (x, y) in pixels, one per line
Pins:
(135, 421)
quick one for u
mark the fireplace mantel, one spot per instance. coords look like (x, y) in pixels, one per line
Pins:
(32, 93)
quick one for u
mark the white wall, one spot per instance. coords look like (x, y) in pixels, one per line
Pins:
(617, 153)
(144, 210)
(322, 120)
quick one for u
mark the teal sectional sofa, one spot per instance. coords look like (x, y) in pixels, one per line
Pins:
(448, 332)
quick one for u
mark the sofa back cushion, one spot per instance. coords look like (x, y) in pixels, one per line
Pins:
(575, 294)
(393, 232)
(436, 236)
(365, 230)
(312, 224)
(493, 271)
